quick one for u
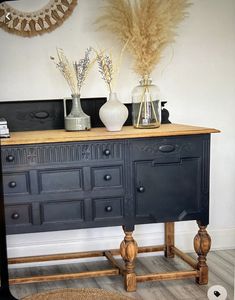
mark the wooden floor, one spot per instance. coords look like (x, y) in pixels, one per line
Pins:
(221, 265)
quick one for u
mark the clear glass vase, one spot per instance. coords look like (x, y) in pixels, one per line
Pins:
(146, 105)
(77, 120)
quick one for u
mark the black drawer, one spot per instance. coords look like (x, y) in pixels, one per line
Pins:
(111, 176)
(66, 211)
(60, 153)
(107, 208)
(62, 180)
(16, 183)
(18, 214)
(169, 149)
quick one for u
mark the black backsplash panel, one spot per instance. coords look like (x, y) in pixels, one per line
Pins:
(49, 114)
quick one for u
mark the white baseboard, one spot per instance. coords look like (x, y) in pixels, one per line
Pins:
(108, 238)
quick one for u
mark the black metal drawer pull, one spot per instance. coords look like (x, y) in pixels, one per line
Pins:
(107, 177)
(15, 216)
(108, 208)
(12, 184)
(10, 158)
(167, 148)
(107, 152)
(40, 115)
(141, 189)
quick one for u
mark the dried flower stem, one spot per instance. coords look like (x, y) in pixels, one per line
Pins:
(108, 69)
(74, 73)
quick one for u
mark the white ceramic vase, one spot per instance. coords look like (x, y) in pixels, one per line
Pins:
(113, 113)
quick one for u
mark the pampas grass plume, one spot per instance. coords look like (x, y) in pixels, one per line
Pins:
(146, 26)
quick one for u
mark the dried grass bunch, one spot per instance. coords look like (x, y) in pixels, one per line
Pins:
(147, 26)
(108, 66)
(106, 69)
(74, 73)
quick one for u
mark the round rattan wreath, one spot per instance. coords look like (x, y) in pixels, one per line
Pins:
(38, 22)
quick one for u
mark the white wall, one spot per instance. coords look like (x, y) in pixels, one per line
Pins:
(197, 78)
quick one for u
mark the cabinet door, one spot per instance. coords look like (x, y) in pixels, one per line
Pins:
(171, 178)
(167, 191)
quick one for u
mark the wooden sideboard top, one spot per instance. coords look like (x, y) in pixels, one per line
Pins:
(56, 136)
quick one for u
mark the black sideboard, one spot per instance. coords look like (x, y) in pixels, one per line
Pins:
(57, 180)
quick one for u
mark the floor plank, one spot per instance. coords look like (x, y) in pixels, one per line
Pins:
(221, 266)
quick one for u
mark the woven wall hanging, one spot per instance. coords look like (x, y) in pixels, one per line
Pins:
(37, 22)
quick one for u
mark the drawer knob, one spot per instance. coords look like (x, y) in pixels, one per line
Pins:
(12, 184)
(107, 152)
(108, 208)
(10, 158)
(141, 189)
(15, 216)
(107, 177)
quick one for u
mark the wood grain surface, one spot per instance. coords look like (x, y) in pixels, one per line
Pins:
(127, 132)
(221, 271)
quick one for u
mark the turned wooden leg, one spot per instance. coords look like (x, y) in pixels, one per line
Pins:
(129, 250)
(169, 239)
(202, 244)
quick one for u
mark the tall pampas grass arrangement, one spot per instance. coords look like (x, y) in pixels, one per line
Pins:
(146, 26)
